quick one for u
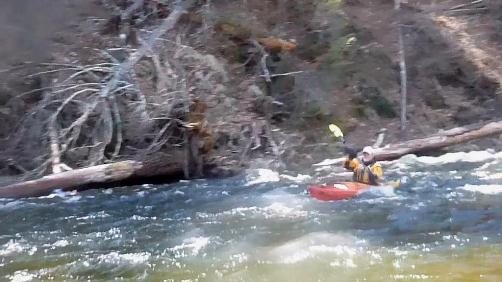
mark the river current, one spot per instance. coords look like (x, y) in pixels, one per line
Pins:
(443, 224)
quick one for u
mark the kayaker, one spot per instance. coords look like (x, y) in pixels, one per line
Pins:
(366, 170)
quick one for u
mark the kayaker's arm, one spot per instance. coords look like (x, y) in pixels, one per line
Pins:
(351, 164)
(377, 170)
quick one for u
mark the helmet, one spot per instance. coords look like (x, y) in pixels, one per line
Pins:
(368, 150)
(371, 153)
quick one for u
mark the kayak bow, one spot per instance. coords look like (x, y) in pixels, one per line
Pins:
(337, 191)
(345, 190)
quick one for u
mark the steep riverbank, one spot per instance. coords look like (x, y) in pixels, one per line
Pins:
(339, 59)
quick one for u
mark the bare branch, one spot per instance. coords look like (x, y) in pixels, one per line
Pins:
(118, 123)
(263, 61)
(68, 100)
(282, 74)
(131, 9)
(473, 10)
(55, 152)
(461, 6)
(158, 141)
(126, 66)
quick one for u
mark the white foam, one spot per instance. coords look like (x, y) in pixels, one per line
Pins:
(313, 245)
(275, 210)
(409, 277)
(401, 166)
(329, 162)
(73, 199)
(94, 215)
(484, 189)
(131, 258)
(61, 243)
(261, 175)
(12, 205)
(345, 262)
(12, 247)
(56, 193)
(323, 169)
(314, 251)
(487, 175)
(241, 211)
(279, 210)
(138, 217)
(141, 194)
(194, 244)
(386, 191)
(469, 157)
(178, 192)
(300, 178)
(21, 276)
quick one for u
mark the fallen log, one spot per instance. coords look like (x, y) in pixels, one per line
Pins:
(440, 140)
(118, 173)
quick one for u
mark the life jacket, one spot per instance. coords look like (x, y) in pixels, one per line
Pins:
(367, 173)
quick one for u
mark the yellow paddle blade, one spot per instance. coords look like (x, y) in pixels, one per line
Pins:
(337, 132)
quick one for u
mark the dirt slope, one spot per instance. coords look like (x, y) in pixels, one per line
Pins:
(340, 64)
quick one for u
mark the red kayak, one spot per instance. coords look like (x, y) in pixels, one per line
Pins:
(337, 191)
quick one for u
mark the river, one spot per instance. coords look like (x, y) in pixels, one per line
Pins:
(443, 224)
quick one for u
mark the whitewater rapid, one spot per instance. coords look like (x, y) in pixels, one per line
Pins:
(443, 224)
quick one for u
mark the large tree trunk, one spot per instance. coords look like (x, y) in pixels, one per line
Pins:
(440, 140)
(402, 64)
(443, 139)
(118, 173)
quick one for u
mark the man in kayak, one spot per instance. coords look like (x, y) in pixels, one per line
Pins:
(366, 170)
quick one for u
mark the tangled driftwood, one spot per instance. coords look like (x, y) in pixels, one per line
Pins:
(129, 170)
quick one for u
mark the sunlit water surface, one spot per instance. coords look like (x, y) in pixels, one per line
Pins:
(444, 224)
